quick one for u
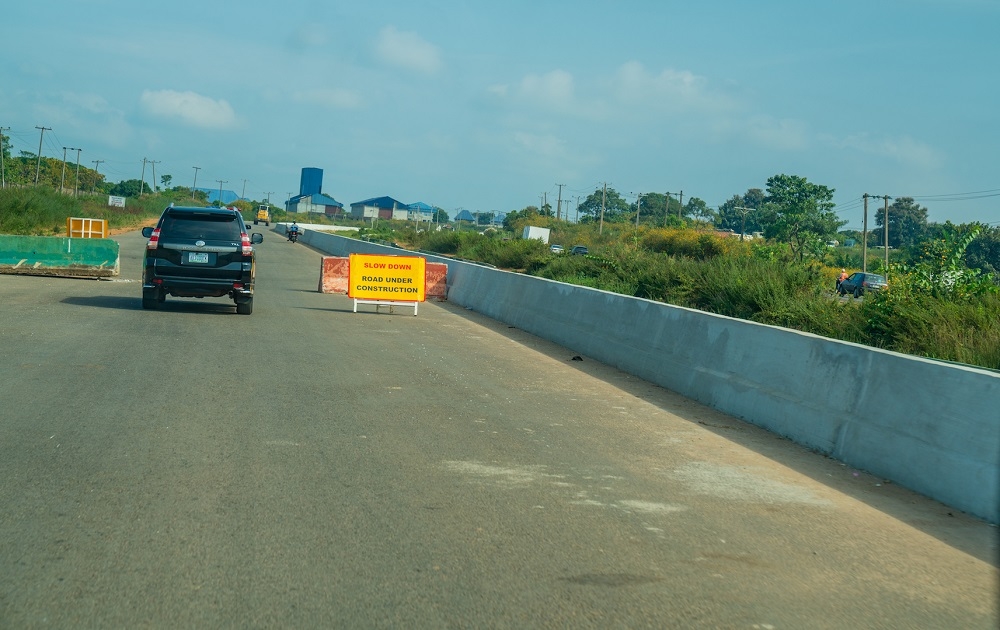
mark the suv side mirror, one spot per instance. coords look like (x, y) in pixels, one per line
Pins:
(147, 232)
(256, 237)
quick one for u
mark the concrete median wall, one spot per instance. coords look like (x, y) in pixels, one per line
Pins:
(929, 426)
(59, 256)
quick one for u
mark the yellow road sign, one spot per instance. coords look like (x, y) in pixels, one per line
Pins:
(387, 278)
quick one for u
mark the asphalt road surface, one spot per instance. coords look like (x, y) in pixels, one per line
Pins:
(308, 467)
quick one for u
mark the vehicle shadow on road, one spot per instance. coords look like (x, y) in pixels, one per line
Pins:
(134, 303)
(949, 525)
(129, 303)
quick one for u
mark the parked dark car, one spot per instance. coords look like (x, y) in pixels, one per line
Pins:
(199, 252)
(859, 282)
(579, 250)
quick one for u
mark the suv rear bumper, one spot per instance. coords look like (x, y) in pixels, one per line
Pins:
(200, 287)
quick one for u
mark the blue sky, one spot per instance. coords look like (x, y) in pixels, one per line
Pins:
(488, 106)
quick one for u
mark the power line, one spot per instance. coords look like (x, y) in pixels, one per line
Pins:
(966, 196)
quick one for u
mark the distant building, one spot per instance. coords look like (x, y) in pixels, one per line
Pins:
(379, 208)
(465, 215)
(311, 198)
(315, 203)
(228, 196)
(420, 211)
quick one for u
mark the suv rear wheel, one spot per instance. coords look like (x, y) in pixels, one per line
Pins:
(151, 300)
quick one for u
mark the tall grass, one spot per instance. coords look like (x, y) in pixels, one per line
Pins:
(754, 281)
(43, 212)
(763, 286)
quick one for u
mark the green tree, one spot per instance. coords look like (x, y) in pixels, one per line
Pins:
(942, 270)
(129, 188)
(799, 213)
(983, 253)
(698, 209)
(440, 215)
(741, 214)
(165, 180)
(907, 224)
(515, 220)
(656, 207)
(615, 207)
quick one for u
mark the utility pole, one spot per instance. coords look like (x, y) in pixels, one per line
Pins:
(864, 237)
(243, 195)
(62, 178)
(559, 203)
(38, 163)
(680, 200)
(195, 184)
(885, 226)
(221, 182)
(269, 197)
(638, 209)
(76, 187)
(97, 171)
(743, 211)
(153, 162)
(142, 180)
(3, 176)
(604, 199)
(577, 220)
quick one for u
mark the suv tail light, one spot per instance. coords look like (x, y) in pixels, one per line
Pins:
(154, 240)
(245, 243)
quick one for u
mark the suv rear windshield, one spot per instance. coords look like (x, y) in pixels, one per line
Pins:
(207, 227)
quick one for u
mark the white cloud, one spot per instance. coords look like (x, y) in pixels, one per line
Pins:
(670, 89)
(547, 146)
(629, 93)
(304, 38)
(329, 97)
(188, 107)
(548, 152)
(902, 149)
(554, 89)
(407, 50)
(783, 134)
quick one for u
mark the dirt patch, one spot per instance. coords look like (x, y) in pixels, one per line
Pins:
(121, 230)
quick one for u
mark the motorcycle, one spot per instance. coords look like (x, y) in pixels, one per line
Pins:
(293, 236)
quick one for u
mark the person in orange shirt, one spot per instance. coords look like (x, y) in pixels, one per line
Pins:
(841, 278)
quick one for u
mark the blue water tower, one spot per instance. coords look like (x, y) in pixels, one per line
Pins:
(311, 182)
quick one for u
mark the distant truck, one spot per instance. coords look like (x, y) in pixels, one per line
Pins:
(540, 233)
(263, 215)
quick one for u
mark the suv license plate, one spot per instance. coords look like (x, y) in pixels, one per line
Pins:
(198, 257)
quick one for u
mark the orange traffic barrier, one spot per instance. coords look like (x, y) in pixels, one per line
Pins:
(334, 272)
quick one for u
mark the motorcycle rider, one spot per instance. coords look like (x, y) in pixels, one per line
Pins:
(293, 231)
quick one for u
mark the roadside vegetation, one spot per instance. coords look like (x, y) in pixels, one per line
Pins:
(43, 212)
(943, 300)
(931, 310)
